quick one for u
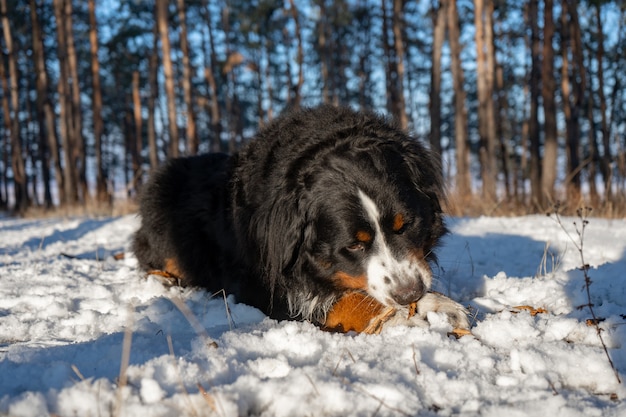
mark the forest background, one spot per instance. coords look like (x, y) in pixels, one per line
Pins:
(523, 100)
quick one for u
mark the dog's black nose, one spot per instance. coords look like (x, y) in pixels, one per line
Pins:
(407, 294)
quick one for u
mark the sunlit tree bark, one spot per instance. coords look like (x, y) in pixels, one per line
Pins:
(192, 136)
(439, 31)
(46, 117)
(548, 87)
(483, 20)
(168, 70)
(102, 194)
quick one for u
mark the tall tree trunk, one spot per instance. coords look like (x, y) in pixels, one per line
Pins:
(297, 99)
(389, 62)
(102, 194)
(570, 111)
(483, 20)
(210, 72)
(548, 87)
(533, 122)
(76, 120)
(268, 80)
(579, 81)
(604, 125)
(163, 22)
(192, 135)
(67, 143)
(138, 123)
(49, 142)
(20, 182)
(439, 32)
(322, 44)
(503, 116)
(38, 151)
(400, 104)
(153, 68)
(463, 184)
(594, 152)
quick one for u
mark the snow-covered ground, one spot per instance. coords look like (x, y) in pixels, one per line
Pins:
(66, 307)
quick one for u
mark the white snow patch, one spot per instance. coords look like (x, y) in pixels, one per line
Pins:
(65, 305)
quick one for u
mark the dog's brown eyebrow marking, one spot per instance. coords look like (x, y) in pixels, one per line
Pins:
(356, 282)
(363, 236)
(398, 222)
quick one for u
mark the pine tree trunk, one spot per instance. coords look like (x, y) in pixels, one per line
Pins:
(604, 125)
(297, 99)
(192, 136)
(463, 183)
(322, 44)
(533, 122)
(550, 146)
(389, 62)
(102, 194)
(168, 70)
(153, 68)
(400, 104)
(570, 111)
(67, 144)
(137, 144)
(483, 10)
(439, 32)
(210, 71)
(20, 181)
(47, 120)
(76, 119)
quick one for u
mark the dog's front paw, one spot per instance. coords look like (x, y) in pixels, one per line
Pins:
(439, 303)
(416, 315)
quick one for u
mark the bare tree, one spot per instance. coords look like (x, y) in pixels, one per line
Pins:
(137, 144)
(153, 68)
(210, 72)
(49, 141)
(548, 87)
(76, 120)
(439, 32)
(11, 115)
(400, 104)
(162, 16)
(65, 109)
(299, 56)
(571, 105)
(604, 125)
(533, 122)
(483, 20)
(102, 194)
(192, 136)
(463, 184)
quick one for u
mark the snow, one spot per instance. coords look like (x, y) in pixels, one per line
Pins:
(66, 307)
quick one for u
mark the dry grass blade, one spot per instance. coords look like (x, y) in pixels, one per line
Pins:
(126, 347)
(208, 398)
(193, 320)
(532, 310)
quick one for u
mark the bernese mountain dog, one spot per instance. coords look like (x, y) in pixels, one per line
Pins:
(322, 203)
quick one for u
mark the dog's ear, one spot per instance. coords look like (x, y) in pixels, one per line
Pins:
(426, 175)
(272, 231)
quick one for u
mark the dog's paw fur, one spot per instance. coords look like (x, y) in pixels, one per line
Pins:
(435, 302)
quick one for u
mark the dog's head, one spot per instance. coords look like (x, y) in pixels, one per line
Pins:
(374, 220)
(358, 207)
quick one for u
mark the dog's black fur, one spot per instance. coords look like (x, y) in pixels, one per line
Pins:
(275, 224)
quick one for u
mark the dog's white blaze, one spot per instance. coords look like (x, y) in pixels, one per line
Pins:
(382, 264)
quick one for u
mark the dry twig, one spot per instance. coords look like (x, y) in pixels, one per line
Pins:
(583, 215)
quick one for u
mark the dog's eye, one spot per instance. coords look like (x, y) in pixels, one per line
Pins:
(356, 247)
(399, 224)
